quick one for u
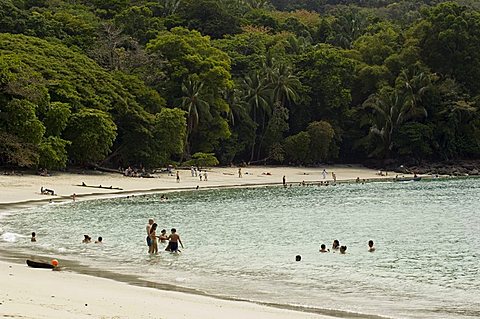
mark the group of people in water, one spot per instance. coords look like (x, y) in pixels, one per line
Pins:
(87, 240)
(343, 249)
(153, 240)
(336, 247)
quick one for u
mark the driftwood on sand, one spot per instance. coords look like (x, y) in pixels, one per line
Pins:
(100, 186)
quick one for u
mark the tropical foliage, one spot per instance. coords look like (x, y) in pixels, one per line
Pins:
(148, 83)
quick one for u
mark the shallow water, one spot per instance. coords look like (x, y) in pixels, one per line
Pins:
(242, 243)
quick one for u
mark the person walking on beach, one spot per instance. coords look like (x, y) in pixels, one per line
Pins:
(284, 181)
(205, 176)
(334, 177)
(192, 171)
(239, 172)
(178, 177)
(174, 239)
(149, 226)
(324, 173)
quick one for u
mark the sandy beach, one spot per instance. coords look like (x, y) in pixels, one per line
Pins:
(15, 189)
(37, 293)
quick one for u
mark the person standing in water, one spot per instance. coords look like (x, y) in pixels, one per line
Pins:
(174, 239)
(34, 238)
(149, 226)
(284, 181)
(371, 248)
(153, 239)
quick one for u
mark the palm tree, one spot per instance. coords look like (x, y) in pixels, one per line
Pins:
(194, 105)
(285, 85)
(257, 95)
(391, 108)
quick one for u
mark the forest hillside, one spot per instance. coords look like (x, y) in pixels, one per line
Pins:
(150, 83)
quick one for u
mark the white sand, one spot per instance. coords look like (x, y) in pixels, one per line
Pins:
(15, 189)
(39, 293)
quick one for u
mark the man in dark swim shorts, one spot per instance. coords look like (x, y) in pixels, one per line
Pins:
(174, 239)
(149, 226)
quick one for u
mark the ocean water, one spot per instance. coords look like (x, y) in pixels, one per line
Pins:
(242, 243)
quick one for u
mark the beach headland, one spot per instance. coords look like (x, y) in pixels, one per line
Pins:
(33, 293)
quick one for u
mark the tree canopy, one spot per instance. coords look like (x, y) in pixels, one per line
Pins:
(145, 83)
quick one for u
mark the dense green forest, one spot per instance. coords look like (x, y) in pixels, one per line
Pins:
(148, 83)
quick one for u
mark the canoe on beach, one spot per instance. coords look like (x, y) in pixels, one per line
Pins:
(36, 264)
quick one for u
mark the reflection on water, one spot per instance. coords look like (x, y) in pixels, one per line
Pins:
(242, 243)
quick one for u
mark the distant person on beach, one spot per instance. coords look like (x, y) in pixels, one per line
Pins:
(74, 197)
(34, 238)
(174, 239)
(371, 248)
(323, 249)
(205, 176)
(178, 177)
(86, 239)
(153, 239)
(343, 249)
(324, 173)
(334, 176)
(149, 226)
(99, 240)
(335, 245)
(192, 170)
(284, 181)
(239, 172)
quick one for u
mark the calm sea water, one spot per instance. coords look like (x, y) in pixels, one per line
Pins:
(242, 243)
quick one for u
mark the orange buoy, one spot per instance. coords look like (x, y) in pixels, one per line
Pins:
(54, 262)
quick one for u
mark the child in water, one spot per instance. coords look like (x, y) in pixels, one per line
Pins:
(343, 249)
(33, 239)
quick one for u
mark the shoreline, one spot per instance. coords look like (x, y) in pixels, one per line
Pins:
(22, 199)
(102, 274)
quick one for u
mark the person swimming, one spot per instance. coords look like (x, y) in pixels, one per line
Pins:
(86, 239)
(298, 258)
(99, 240)
(371, 248)
(343, 249)
(323, 249)
(335, 245)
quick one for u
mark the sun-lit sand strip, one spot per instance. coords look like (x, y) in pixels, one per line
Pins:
(15, 189)
(37, 293)
(42, 293)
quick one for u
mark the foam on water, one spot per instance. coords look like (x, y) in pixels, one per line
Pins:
(242, 243)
